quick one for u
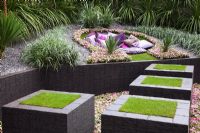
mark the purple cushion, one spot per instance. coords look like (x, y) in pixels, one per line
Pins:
(143, 44)
(91, 34)
(133, 37)
(101, 43)
(112, 34)
(92, 39)
(133, 50)
(129, 42)
(120, 38)
(102, 36)
(123, 45)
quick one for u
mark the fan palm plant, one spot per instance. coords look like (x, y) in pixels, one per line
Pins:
(11, 29)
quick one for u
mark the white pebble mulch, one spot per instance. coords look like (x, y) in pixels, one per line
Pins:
(101, 103)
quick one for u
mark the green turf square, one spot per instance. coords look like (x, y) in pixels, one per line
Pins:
(162, 81)
(51, 100)
(150, 107)
(142, 57)
(170, 67)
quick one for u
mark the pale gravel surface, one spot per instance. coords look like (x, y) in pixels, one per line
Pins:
(11, 63)
(83, 53)
(101, 103)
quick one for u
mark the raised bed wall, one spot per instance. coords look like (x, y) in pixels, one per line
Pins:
(102, 78)
(94, 79)
(17, 85)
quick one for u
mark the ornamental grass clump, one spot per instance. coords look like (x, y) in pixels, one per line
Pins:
(49, 52)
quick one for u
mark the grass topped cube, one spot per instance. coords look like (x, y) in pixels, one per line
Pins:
(143, 114)
(162, 81)
(51, 100)
(50, 112)
(162, 86)
(150, 107)
(170, 70)
(170, 67)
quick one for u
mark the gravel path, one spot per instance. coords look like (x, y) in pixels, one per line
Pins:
(101, 103)
(11, 63)
(83, 53)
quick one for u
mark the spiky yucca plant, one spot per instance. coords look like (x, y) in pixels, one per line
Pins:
(167, 42)
(111, 45)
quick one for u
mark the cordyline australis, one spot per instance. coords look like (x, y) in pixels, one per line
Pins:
(5, 8)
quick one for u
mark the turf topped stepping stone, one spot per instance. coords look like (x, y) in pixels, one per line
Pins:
(162, 81)
(150, 107)
(170, 70)
(131, 114)
(51, 100)
(170, 67)
(160, 86)
(50, 112)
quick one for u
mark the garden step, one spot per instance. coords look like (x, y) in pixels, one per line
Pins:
(172, 70)
(138, 87)
(122, 118)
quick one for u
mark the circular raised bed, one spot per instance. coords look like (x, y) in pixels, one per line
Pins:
(118, 55)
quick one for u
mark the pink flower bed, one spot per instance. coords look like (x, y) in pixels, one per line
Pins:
(195, 110)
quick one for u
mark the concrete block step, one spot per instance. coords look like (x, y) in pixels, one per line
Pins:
(137, 87)
(153, 70)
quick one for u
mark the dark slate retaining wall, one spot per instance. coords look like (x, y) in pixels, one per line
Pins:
(101, 78)
(17, 85)
(94, 79)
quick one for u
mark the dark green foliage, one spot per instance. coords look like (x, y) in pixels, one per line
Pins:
(94, 16)
(129, 11)
(148, 14)
(90, 16)
(38, 19)
(191, 19)
(107, 17)
(180, 14)
(11, 29)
